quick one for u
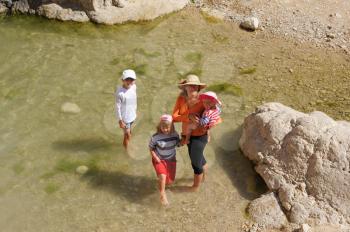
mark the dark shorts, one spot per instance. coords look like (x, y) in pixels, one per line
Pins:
(195, 150)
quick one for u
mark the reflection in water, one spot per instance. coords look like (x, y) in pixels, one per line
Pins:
(44, 64)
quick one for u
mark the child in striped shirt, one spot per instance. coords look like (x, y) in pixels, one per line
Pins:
(163, 153)
(210, 117)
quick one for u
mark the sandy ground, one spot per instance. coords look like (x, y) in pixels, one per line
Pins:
(324, 23)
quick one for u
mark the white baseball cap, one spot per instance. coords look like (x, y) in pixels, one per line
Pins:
(129, 73)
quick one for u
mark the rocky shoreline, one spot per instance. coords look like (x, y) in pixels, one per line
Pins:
(99, 11)
(321, 23)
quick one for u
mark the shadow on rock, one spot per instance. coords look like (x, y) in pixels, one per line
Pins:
(132, 188)
(88, 145)
(240, 169)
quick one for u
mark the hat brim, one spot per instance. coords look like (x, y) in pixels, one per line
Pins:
(182, 84)
(124, 78)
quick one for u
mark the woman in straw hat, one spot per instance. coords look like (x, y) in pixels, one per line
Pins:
(187, 109)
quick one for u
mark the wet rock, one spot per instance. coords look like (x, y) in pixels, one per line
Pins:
(3, 8)
(54, 11)
(69, 107)
(20, 6)
(266, 211)
(250, 23)
(82, 169)
(99, 11)
(304, 158)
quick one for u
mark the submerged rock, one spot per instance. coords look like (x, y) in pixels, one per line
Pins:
(305, 158)
(69, 107)
(82, 169)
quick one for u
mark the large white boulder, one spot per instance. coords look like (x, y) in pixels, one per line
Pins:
(305, 159)
(99, 11)
(135, 11)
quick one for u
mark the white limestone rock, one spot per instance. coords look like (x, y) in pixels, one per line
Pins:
(305, 158)
(250, 23)
(267, 212)
(69, 107)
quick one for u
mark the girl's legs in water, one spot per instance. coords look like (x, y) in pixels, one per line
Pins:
(161, 185)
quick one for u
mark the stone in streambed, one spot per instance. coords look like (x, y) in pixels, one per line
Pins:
(69, 107)
(3, 8)
(250, 23)
(82, 169)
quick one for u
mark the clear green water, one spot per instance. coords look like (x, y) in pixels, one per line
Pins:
(44, 64)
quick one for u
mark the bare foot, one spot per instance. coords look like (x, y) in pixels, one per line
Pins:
(193, 188)
(163, 199)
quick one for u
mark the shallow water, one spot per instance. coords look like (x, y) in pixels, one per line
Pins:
(46, 63)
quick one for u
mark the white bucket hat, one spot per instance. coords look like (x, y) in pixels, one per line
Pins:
(128, 73)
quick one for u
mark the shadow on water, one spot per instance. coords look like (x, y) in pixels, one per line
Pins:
(240, 169)
(87, 144)
(132, 188)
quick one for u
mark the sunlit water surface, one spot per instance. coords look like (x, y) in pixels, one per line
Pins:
(44, 64)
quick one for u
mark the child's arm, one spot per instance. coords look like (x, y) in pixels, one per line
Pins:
(118, 103)
(152, 146)
(154, 156)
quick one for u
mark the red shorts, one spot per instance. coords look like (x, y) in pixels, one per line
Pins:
(167, 168)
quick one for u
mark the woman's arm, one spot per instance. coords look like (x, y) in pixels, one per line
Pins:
(179, 116)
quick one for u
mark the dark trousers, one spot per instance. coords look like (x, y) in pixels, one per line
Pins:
(195, 150)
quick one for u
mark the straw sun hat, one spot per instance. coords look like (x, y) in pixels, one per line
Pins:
(191, 80)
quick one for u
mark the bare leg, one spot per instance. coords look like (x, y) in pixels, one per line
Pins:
(197, 179)
(161, 185)
(205, 170)
(127, 137)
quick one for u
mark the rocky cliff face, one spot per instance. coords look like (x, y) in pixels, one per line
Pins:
(305, 160)
(99, 11)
